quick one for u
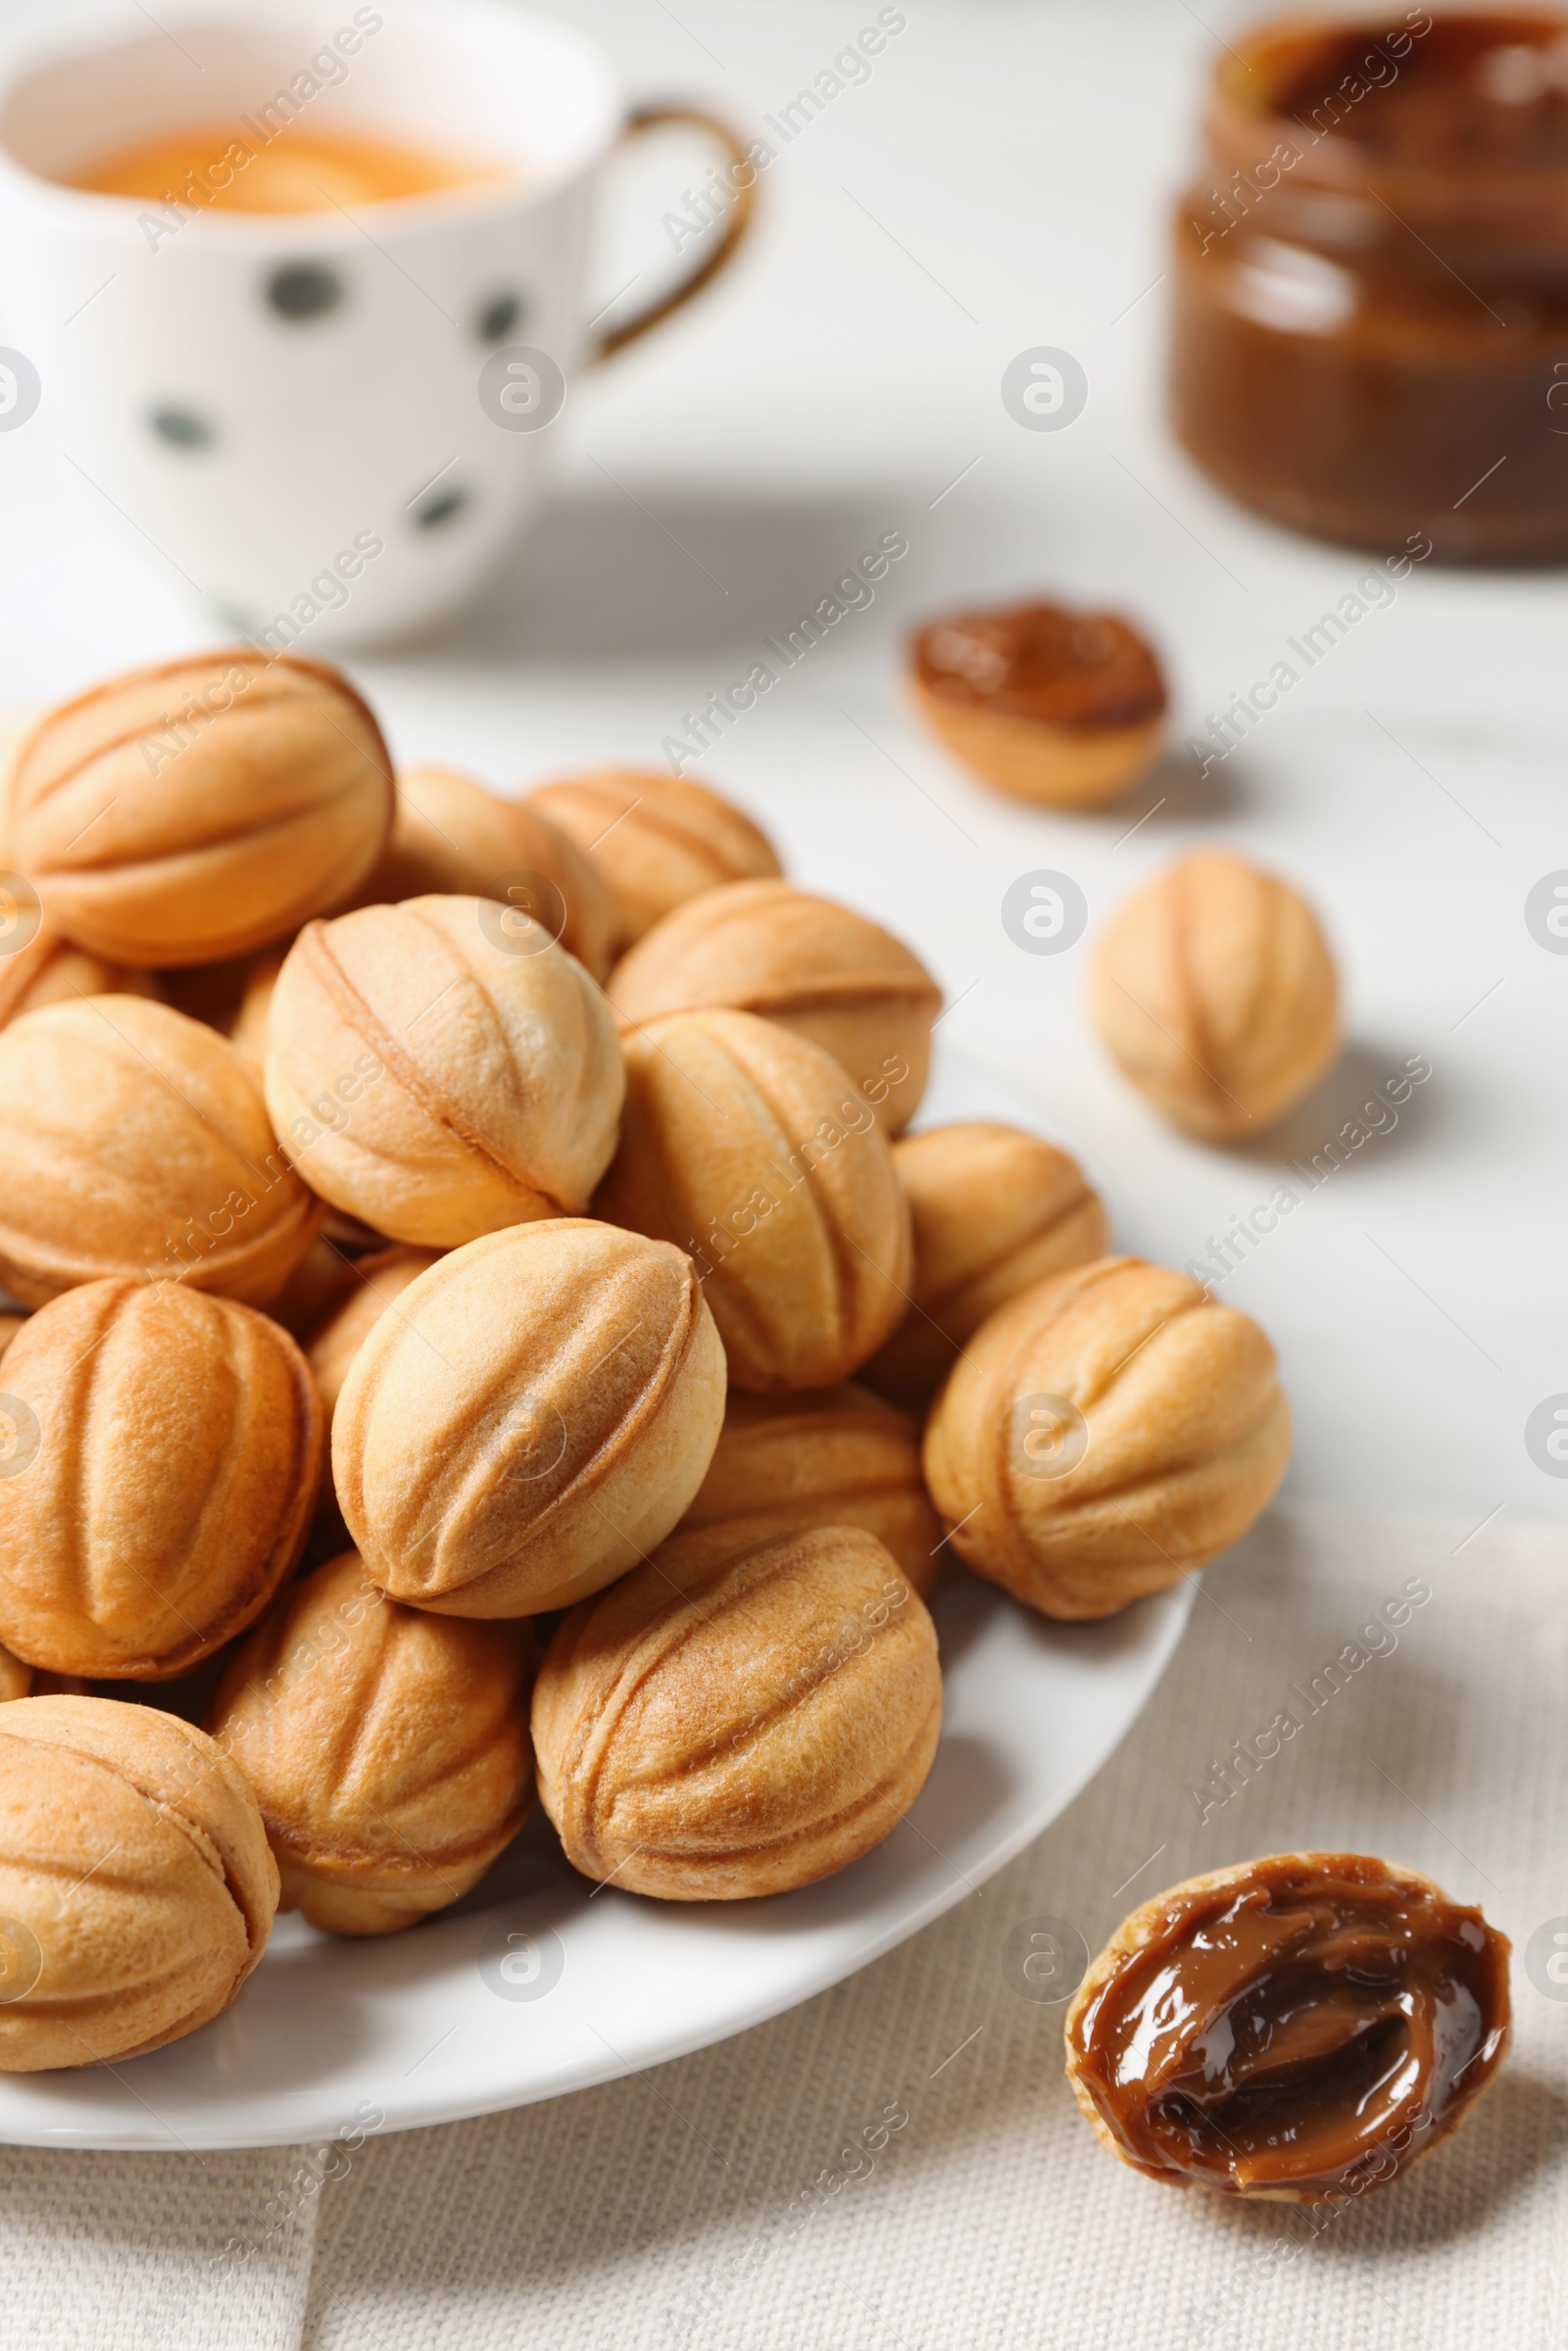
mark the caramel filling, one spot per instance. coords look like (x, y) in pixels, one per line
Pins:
(1303, 2028)
(1082, 670)
(1372, 282)
(1482, 90)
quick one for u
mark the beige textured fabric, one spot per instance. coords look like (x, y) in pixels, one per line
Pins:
(155, 2252)
(678, 2209)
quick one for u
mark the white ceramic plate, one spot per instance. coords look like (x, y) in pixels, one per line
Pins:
(538, 1984)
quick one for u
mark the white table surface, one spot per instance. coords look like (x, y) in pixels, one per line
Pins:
(1001, 183)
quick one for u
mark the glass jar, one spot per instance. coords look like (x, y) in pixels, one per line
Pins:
(1371, 282)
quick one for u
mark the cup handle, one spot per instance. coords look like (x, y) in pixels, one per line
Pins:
(638, 124)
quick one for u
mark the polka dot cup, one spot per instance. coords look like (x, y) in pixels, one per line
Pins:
(332, 424)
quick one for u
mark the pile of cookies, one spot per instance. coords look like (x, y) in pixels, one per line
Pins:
(481, 1324)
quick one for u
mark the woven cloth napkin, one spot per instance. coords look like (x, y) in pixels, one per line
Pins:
(899, 2162)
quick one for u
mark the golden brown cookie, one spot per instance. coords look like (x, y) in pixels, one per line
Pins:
(373, 1284)
(1299, 2028)
(188, 811)
(388, 1748)
(249, 1032)
(657, 839)
(754, 1731)
(994, 1209)
(175, 1444)
(135, 1885)
(747, 1147)
(17, 722)
(1104, 1434)
(440, 1075)
(449, 835)
(1215, 993)
(806, 962)
(136, 1143)
(49, 971)
(832, 1457)
(534, 1418)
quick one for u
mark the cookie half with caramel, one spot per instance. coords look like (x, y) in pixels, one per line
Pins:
(1060, 708)
(1301, 2028)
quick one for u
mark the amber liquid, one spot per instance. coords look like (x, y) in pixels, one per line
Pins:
(252, 166)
